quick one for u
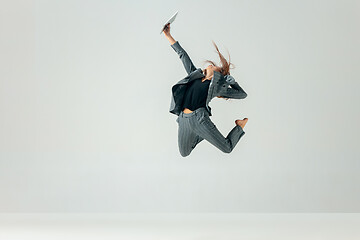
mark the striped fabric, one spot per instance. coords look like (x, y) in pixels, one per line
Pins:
(197, 126)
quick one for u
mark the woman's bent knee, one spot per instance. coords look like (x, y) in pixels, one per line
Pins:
(227, 149)
(185, 153)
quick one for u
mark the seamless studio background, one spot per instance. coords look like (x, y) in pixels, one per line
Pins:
(85, 91)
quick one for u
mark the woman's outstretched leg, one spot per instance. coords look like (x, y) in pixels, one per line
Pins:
(206, 129)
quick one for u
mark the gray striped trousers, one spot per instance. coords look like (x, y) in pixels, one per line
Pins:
(197, 126)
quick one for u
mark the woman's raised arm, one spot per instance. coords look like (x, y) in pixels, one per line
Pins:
(185, 59)
(168, 35)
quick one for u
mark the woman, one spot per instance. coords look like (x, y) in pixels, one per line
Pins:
(190, 99)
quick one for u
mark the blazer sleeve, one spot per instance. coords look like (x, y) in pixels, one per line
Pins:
(235, 91)
(188, 64)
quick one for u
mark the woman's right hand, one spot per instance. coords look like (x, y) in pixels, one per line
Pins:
(167, 29)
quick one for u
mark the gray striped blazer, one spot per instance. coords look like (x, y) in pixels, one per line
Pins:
(220, 85)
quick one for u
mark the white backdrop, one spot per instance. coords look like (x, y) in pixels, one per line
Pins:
(85, 91)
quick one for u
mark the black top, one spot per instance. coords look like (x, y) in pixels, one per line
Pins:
(196, 94)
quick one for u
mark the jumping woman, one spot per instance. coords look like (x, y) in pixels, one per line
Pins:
(190, 99)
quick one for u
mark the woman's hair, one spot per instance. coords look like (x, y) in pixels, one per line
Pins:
(224, 65)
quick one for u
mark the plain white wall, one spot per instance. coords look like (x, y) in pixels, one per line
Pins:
(85, 91)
